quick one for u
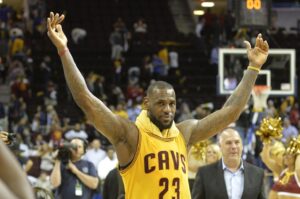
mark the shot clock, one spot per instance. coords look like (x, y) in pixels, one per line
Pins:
(253, 13)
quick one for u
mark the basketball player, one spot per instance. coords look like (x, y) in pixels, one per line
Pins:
(152, 152)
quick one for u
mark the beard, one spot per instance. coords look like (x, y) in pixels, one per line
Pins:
(157, 123)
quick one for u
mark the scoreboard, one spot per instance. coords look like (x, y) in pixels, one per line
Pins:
(253, 13)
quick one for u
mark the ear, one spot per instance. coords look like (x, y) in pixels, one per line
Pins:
(145, 103)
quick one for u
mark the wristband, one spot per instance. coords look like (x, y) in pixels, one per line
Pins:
(253, 68)
(63, 51)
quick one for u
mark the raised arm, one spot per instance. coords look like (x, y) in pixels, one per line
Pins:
(120, 132)
(196, 130)
(275, 167)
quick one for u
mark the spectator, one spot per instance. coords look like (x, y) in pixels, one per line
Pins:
(195, 159)
(140, 31)
(77, 178)
(116, 43)
(113, 187)
(173, 57)
(140, 26)
(77, 132)
(289, 131)
(108, 163)
(231, 176)
(95, 154)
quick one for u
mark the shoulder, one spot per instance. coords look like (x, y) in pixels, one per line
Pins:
(84, 162)
(253, 168)
(186, 128)
(209, 167)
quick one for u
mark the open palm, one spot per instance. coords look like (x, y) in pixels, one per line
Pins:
(258, 55)
(55, 32)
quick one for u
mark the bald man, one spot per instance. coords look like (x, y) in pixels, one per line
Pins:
(231, 177)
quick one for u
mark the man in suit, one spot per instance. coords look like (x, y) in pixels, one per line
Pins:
(231, 177)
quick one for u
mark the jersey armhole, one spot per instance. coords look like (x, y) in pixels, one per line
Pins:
(123, 169)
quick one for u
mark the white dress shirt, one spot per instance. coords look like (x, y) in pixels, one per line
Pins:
(234, 181)
(95, 156)
(105, 166)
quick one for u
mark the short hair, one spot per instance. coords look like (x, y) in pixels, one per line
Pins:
(84, 142)
(158, 85)
(227, 129)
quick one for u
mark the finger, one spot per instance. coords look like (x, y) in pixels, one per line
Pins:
(50, 28)
(260, 43)
(3, 133)
(257, 40)
(266, 45)
(259, 35)
(52, 20)
(248, 45)
(4, 138)
(51, 16)
(56, 17)
(61, 18)
(59, 28)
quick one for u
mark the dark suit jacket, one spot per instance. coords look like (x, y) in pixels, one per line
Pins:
(210, 182)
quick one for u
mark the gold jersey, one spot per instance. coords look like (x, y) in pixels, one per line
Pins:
(159, 168)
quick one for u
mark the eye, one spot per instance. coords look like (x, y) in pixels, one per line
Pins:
(161, 103)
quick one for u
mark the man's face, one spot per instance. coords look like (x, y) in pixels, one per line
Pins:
(96, 144)
(110, 153)
(231, 145)
(77, 127)
(161, 106)
(76, 154)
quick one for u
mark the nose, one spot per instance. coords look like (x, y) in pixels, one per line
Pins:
(167, 108)
(233, 145)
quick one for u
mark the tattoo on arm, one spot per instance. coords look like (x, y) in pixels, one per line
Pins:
(242, 93)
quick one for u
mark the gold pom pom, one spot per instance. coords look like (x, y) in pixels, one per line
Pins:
(294, 146)
(270, 128)
(198, 150)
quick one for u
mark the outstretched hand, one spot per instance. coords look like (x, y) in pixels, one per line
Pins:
(258, 55)
(55, 32)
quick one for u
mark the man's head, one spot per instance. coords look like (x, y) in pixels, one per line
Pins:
(160, 103)
(231, 145)
(80, 150)
(110, 151)
(96, 144)
(77, 127)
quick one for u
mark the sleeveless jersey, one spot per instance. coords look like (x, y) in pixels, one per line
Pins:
(158, 170)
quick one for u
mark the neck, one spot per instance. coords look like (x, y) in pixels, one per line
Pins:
(232, 165)
(75, 159)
